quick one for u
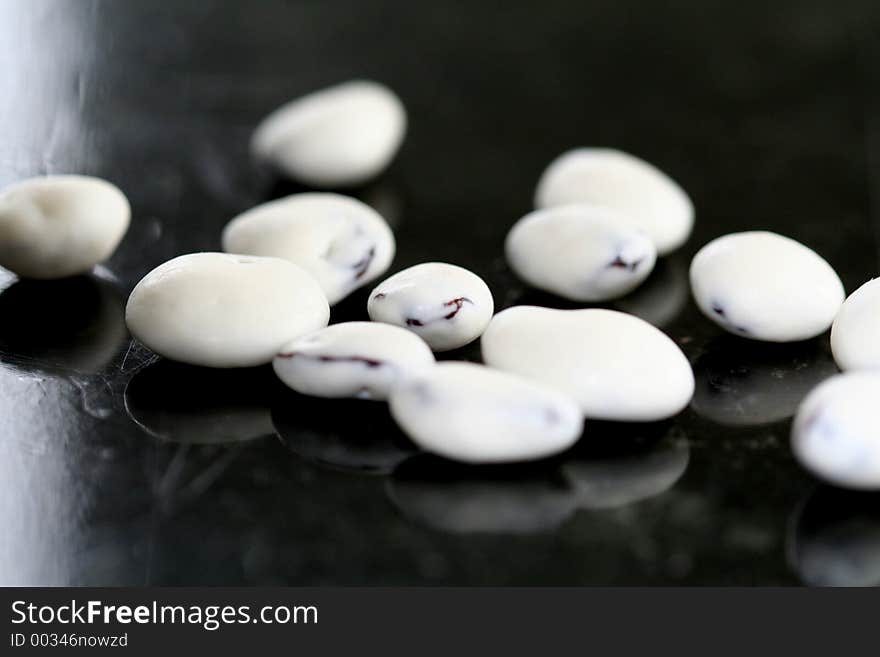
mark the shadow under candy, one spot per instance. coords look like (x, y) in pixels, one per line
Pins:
(68, 325)
(349, 435)
(187, 404)
(461, 499)
(621, 465)
(834, 538)
(746, 383)
(663, 295)
(658, 300)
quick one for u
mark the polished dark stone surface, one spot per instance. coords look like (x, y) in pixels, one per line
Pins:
(117, 467)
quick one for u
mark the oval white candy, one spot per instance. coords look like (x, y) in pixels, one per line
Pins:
(581, 252)
(339, 136)
(834, 434)
(470, 413)
(340, 241)
(58, 226)
(764, 286)
(856, 329)
(352, 359)
(644, 196)
(445, 305)
(618, 367)
(222, 310)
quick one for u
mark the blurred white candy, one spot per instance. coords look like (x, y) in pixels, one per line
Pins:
(618, 367)
(340, 241)
(581, 252)
(764, 286)
(351, 359)
(470, 413)
(645, 197)
(445, 305)
(855, 334)
(222, 310)
(834, 434)
(340, 136)
(58, 226)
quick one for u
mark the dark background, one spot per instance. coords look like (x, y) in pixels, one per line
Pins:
(119, 468)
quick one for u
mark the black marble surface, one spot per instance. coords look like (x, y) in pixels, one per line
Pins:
(119, 468)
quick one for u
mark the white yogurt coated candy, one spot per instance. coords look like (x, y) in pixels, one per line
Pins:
(445, 305)
(58, 226)
(617, 366)
(764, 286)
(340, 241)
(835, 431)
(339, 136)
(855, 333)
(352, 359)
(222, 310)
(645, 197)
(581, 252)
(470, 413)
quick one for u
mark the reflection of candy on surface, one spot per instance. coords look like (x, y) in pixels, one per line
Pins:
(186, 404)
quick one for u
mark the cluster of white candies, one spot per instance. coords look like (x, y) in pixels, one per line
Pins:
(602, 219)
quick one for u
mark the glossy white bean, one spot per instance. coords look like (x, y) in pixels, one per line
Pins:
(58, 226)
(617, 366)
(470, 413)
(855, 333)
(351, 359)
(340, 241)
(765, 286)
(445, 305)
(222, 310)
(581, 252)
(644, 196)
(339, 136)
(834, 434)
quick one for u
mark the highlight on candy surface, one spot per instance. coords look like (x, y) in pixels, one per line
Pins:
(342, 242)
(343, 135)
(222, 310)
(61, 225)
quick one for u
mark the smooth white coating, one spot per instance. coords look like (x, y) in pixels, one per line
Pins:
(618, 367)
(445, 305)
(58, 226)
(340, 241)
(470, 413)
(835, 430)
(351, 359)
(855, 333)
(644, 196)
(582, 252)
(339, 136)
(765, 286)
(222, 310)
